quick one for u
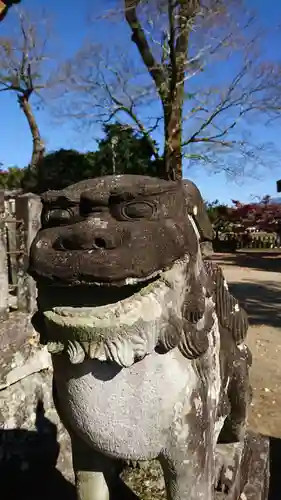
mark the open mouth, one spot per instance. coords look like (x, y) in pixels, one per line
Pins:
(92, 295)
(79, 312)
(119, 323)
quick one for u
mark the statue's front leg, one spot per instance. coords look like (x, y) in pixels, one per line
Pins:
(91, 485)
(188, 464)
(184, 479)
(188, 458)
(97, 476)
(93, 472)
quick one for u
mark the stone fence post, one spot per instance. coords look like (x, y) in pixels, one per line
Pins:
(4, 279)
(28, 209)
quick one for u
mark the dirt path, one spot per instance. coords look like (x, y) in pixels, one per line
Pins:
(258, 286)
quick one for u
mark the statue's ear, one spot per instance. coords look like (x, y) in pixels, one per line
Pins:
(197, 209)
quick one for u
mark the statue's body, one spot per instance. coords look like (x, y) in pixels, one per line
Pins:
(148, 344)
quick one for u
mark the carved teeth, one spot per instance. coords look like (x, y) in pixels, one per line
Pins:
(75, 352)
(125, 354)
(86, 346)
(92, 349)
(134, 281)
(96, 351)
(55, 347)
(117, 350)
(111, 352)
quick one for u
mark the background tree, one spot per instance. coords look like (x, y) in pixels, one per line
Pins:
(194, 77)
(24, 68)
(264, 216)
(11, 178)
(121, 150)
(59, 169)
(219, 216)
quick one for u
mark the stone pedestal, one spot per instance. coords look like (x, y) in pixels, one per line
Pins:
(242, 469)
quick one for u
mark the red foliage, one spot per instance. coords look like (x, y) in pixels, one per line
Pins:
(264, 216)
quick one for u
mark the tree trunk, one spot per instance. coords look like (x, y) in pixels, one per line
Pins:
(171, 90)
(173, 104)
(173, 130)
(173, 140)
(38, 149)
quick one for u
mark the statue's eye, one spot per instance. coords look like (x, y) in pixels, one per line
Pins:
(137, 210)
(56, 216)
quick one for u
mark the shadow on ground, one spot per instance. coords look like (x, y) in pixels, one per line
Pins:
(259, 260)
(261, 300)
(28, 466)
(28, 463)
(275, 478)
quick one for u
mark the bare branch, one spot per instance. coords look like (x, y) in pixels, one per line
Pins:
(23, 71)
(138, 37)
(177, 40)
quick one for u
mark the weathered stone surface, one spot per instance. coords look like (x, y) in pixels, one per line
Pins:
(242, 469)
(28, 209)
(20, 355)
(242, 472)
(34, 446)
(4, 284)
(147, 342)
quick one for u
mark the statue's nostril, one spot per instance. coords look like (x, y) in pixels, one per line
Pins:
(74, 243)
(99, 243)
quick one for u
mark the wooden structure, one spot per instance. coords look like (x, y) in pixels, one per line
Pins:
(19, 223)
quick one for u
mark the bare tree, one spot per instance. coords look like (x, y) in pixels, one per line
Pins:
(270, 72)
(169, 75)
(180, 79)
(23, 69)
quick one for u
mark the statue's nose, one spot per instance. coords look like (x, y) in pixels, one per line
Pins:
(92, 234)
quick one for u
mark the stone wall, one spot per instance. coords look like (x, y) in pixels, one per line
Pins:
(35, 454)
(19, 223)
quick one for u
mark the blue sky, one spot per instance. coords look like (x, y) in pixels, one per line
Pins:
(71, 21)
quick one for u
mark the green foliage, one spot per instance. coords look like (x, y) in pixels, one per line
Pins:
(219, 216)
(120, 151)
(11, 178)
(124, 151)
(60, 169)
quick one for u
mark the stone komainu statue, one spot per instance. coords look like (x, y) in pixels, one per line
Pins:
(147, 342)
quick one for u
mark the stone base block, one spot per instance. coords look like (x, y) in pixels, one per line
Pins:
(242, 469)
